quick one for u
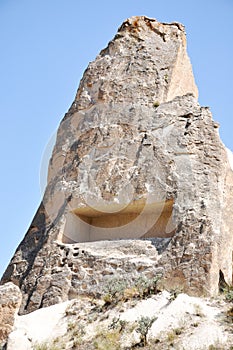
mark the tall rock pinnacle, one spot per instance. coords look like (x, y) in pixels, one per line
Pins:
(139, 180)
(145, 62)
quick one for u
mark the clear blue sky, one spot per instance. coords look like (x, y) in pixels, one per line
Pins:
(45, 46)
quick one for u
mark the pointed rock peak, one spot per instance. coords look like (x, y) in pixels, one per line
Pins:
(146, 62)
(143, 23)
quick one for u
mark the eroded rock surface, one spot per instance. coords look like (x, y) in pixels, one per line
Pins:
(184, 322)
(138, 159)
(145, 62)
(10, 300)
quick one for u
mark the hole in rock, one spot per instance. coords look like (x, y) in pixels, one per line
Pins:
(222, 284)
(139, 220)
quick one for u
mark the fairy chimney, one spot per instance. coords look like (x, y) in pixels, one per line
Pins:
(139, 179)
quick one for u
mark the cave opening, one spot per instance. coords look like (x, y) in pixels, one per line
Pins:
(138, 220)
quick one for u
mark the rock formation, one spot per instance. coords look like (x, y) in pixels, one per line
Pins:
(182, 322)
(139, 182)
(10, 300)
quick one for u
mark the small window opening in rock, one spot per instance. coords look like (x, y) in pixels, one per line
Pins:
(139, 220)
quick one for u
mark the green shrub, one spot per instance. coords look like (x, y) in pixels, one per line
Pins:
(228, 293)
(118, 289)
(147, 286)
(114, 289)
(174, 293)
(117, 323)
(144, 324)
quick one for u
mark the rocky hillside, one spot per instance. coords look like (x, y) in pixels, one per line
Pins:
(129, 317)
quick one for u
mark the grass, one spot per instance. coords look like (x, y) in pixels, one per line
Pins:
(219, 346)
(171, 336)
(107, 340)
(47, 346)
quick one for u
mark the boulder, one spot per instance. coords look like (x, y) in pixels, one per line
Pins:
(10, 299)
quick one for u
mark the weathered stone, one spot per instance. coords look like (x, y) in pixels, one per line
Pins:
(138, 159)
(10, 300)
(145, 62)
(39, 327)
(183, 322)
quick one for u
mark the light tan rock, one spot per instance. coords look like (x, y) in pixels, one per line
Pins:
(10, 300)
(186, 322)
(145, 62)
(19, 340)
(136, 157)
(39, 327)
